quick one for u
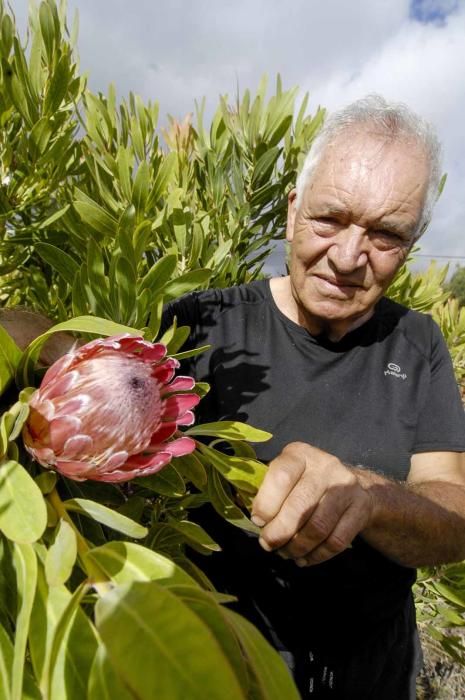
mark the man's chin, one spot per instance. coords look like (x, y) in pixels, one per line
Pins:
(333, 317)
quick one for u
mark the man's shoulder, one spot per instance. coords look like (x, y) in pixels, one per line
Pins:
(248, 293)
(207, 305)
(417, 327)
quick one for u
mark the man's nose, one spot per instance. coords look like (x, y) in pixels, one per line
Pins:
(349, 250)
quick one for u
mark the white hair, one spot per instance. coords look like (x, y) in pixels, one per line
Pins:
(391, 120)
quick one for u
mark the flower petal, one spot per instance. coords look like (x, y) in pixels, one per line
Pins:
(60, 386)
(187, 419)
(176, 406)
(57, 368)
(116, 460)
(153, 352)
(76, 445)
(148, 461)
(164, 373)
(79, 471)
(163, 433)
(43, 455)
(135, 467)
(61, 429)
(179, 447)
(72, 406)
(181, 384)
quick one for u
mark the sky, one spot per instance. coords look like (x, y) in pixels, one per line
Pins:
(176, 51)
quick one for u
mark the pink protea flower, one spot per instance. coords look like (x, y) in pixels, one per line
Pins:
(107, 410)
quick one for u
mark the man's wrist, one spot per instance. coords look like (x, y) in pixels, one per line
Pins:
(376, 486)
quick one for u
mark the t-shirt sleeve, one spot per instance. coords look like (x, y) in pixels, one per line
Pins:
(441, 424)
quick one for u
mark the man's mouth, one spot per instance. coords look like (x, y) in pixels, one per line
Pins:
(335, 284)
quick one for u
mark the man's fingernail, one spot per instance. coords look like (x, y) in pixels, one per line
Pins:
(301, 562)
(257, 521)
(264, 545)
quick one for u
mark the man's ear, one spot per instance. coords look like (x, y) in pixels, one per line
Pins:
(291, 212)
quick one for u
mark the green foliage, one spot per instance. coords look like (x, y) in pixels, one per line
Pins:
(104, 217)
(419, 291)
(456, 286)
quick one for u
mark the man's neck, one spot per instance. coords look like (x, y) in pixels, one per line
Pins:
(282, 294)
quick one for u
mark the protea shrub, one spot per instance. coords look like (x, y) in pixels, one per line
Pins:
(110, 411)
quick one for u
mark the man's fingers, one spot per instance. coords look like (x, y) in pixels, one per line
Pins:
(295, 514)
(340, 539)
(319, 526)
(282, 475)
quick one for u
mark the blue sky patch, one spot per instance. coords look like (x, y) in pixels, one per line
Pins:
(432, 11)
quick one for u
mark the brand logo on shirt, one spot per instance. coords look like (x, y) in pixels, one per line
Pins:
(394, 370)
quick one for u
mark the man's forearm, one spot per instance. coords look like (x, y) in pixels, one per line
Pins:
(417, 524)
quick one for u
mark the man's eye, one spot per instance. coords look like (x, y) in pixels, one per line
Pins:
(388, 239)
(325, 224)
(326, 221)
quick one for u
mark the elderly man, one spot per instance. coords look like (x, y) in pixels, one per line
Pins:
(366, 475)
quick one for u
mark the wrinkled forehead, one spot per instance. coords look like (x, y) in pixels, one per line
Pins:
(359, 150)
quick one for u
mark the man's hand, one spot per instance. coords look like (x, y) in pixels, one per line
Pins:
(310, 505)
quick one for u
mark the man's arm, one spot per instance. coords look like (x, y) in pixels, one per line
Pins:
(312, 507)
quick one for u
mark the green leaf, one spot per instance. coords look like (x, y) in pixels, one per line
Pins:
(23, 515)
(95, 216)
(162, 178)
(124, 562)
(272, 678)
(46, 481)
(47, 28)
(72, 663)
(40, 135)
(61, 555)
(6, 663)
(230, 430)
(245, 473)
(61, 633)
(58, 86)
(60, 261)
(106, 516)
(205, 605)
(177, 339)
(264, 166)
(167, 482)
(104, 681)
(454, 595)
(25, 563)
(10, 356)
(8, 32)
(141, 187)
(225, 506)
(159, 274)
(11, 425)
(194, 534)
(125, 277)
(186, 283)
(134, 644)
(125, 161)
(191, 469)
(191, 353)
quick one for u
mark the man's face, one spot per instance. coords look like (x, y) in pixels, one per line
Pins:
(353, 229)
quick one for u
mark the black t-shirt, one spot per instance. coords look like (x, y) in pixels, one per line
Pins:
(384, 392)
